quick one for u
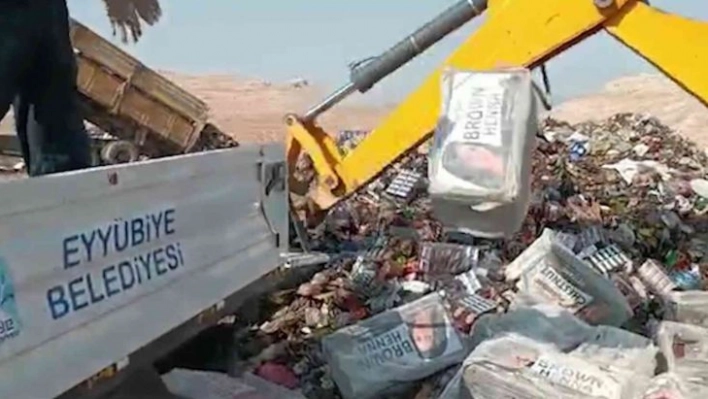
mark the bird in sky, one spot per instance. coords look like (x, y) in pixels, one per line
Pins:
(128, 17)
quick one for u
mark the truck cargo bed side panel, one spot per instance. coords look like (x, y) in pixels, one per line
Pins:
(158, 118)
(119, 82)
(96, 264)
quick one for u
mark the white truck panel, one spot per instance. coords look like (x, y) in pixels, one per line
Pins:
(96, 264)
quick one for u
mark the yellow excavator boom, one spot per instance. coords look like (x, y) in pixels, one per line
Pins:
(515, 33)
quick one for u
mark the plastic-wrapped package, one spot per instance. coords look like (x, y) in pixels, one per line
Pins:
(437, 258)
(515, 366)
(689, 307)
(480, 161)
(548, 272)
(632, 288)
(466, 308)
(545, 351)
(685, 348)
(568, 240)
(364, 279)
(665, 386)
(453, 389)
(402, 345)
(621, 351)
(655, 278)
(514, 270)
(608, 259)
(671, 386)
(543, 323)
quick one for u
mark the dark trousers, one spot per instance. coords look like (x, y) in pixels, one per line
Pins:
(38, 78)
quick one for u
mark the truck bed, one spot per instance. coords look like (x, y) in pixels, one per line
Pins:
(133, 102)
(98, 265)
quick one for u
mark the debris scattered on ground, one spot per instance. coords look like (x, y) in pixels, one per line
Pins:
(607, 271)
(212, 138)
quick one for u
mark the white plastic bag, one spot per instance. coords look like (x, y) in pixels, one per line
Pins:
(621, 351)
(544, 351)
(454, 388)
(438, 258)
(514, 366)
(399, 346)
(671, 386)
(548, 272)
(480, 162)
(685, 348)
(548, 324)
(689, 307)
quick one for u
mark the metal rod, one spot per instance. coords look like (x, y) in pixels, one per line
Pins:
(329, 102)
(365, 76)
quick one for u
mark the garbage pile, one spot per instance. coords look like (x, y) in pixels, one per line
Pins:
(212, 138)
(599, 295)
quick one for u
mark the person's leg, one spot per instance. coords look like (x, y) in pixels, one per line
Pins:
(18, 36)
(21, 110)
(56, 136)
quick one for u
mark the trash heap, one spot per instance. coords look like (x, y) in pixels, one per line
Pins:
(599, 295)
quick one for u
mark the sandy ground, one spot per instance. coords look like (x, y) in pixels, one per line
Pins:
(651, 94)
(252, 111)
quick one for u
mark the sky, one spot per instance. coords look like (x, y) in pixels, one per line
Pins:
(279, 40)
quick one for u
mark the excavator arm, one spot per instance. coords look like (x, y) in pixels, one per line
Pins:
(516, 32)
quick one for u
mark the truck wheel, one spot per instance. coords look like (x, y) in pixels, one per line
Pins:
(117, 152)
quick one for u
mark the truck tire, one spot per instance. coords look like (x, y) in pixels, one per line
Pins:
(117, 152)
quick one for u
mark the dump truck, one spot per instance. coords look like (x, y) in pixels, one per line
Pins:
(135, 111)
(103, 271)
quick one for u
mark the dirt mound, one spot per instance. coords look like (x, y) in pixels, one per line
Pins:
(650, 94)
